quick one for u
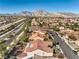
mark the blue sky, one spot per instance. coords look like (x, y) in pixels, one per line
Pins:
(15, 6)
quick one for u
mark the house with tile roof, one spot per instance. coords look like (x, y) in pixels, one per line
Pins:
(38, 35)
(40, 48)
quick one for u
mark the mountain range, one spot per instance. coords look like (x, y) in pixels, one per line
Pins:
(45, 13)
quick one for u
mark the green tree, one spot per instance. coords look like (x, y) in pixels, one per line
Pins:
(61, 55)
(56, 29)
(72, 37)
(24, 38)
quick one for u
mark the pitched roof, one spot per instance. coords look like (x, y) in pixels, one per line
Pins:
(42, 45)
(38, 35)
(20, 56)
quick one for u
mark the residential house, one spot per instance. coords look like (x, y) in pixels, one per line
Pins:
(38, 35)
(40, 48)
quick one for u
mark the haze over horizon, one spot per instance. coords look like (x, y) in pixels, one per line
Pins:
(11, 6)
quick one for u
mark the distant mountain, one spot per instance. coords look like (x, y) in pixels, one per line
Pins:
(5, 14)
(54, 14)
(26, 13)
(44, 13)
(41, 13)
(70, 14)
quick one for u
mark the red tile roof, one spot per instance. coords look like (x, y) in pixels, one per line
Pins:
(42, 45)
(20, 56)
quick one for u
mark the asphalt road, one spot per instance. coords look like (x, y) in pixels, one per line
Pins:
(17, 30)
(66, 49)
(2, 36)
(11, 51)
(8, 25)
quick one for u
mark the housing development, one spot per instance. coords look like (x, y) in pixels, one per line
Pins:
(39, 35)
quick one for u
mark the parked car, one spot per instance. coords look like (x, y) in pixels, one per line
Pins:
(75, 52)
